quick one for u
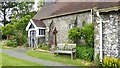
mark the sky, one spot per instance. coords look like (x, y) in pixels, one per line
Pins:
(36, 4)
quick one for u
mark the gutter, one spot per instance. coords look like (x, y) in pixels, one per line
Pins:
(97, 12)
(101, 53)
(100, 20)
(110, 9)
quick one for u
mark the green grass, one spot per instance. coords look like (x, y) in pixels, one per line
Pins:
(0, 60)
(11, 61)
(0, 46)
(60, 58)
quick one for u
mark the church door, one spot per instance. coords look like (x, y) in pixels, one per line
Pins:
(32, 38)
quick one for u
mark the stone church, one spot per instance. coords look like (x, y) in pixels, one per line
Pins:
(67, 15)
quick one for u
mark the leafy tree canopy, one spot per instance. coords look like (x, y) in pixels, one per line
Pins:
(16, 10)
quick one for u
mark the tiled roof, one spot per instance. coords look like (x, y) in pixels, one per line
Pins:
(38, 23)
(65, 7)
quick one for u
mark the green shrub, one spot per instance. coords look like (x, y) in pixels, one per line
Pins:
(12, 43)
(75, 34)
(97, 60)
(40, 46)
(43, 46)
(110, 62)
(25, 44)
(85, 52)
(20, 39)
(86, 33)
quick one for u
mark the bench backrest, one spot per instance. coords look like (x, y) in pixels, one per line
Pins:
(66, 46)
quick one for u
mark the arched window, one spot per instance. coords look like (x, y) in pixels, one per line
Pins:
(74, 24)
(84, 23)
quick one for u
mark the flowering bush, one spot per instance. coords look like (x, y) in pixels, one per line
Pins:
(110, 62)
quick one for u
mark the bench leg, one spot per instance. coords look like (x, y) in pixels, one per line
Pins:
(72, 56)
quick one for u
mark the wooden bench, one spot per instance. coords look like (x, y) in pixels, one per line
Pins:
(66, 48)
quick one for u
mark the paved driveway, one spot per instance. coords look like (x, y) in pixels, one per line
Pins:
(20, 53)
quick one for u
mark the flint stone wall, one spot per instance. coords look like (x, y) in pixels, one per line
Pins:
(111, 34)
(63, 24)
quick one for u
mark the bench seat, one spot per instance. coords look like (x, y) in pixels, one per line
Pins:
(60, 51)
(66, 49)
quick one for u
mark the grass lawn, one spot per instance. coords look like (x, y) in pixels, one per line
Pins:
(0, 60)
(1, 43)
(11, 61)
(60, 58)
(0, 46)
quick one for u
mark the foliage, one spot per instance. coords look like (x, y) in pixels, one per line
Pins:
(22, 8)
(12, 43)
(16, 30)
(19, 33)
(19, 16)
(110, 62)
(8, 30)
(41, 3)
(5, 11)
(43, 46)
(85, 52)
(3, 42)
(97, 60)
(86, 33)
(14, 9)
(75, 34)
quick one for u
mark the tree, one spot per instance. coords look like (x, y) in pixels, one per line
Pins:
(20, 34)
(40, 4)
(16, 10)
(20, 17)
(8, 30)
(9, 10)
(5, 11)
(22, 9)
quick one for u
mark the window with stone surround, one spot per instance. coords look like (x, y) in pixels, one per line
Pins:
(84, 23)
(73, 24)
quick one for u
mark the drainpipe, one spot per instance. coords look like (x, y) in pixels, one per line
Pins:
(101, 40)
(100, 20)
